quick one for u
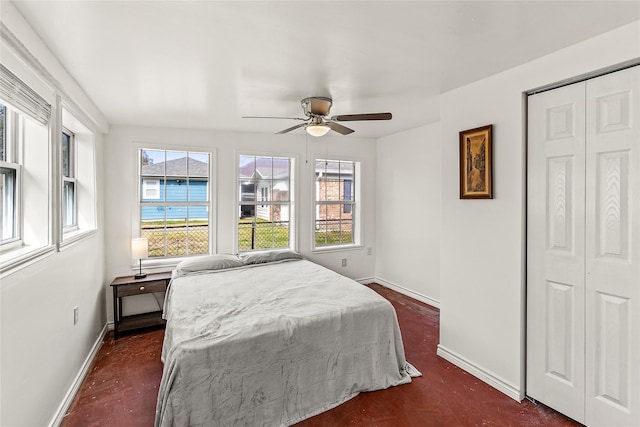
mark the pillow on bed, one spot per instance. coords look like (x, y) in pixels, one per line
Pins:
(261, 257)
(208, 262)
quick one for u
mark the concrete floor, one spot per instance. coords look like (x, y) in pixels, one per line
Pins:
(122, 386)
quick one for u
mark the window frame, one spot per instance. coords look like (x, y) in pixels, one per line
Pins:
(260, 202)
(172, 260)
(354, 204)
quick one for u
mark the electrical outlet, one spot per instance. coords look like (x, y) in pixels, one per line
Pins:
(369, 251)
(344, 262)
(75, 315)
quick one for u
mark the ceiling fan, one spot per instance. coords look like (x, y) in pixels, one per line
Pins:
(316, 109)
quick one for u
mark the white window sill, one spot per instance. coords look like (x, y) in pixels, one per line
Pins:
(17, 259)
(338, 248)
(157, 263)
(75, 236)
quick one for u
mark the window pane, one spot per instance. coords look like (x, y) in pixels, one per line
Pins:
(176, 164)
(69, 204)
(247, 191)
(346, 169)
(246, 234)
(198, 165)
(3, 133)
(198, 230)
(8, 207)
(281, 169)
(198, 190)
(66, 155)
(153, 228)
(279, 190)
(346, 231)
(152, 163)
(347, 186)
(176, 243)
(264, 168)
(176, 189)
(321, 225)
(246, 167)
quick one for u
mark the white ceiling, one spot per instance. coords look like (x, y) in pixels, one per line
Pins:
(206, 64)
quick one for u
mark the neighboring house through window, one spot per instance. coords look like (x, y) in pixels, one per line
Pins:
(335, 202)
(264, 205)
(174, 202)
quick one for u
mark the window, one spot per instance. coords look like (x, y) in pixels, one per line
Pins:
(77, 169)
(9, 175)
(174, 202)
(25, 173)
(264, 203)
(69, 205)
(335, 202)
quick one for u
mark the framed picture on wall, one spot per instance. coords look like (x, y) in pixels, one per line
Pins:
(476, 163)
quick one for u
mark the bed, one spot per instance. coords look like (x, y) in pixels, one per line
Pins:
(270, 339)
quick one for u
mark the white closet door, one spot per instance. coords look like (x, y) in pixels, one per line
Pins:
(613, 249)
(555, 250)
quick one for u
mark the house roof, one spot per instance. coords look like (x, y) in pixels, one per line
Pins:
(177, 167)
(334, 167)
(264, 168)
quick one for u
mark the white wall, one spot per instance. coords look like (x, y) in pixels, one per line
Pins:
(482, 268)
(121, 187)
(408, 212)
(41, 350)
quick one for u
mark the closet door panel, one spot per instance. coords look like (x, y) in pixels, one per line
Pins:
(613, 249)
(555, 250)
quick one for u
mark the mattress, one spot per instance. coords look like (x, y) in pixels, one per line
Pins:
(273, 344)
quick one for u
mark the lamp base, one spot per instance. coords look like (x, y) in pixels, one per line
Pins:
(140, 276)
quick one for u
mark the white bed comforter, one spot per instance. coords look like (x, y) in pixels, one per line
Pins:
(273, 344)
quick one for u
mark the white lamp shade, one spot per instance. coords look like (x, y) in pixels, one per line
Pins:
(140, 248)
(317, 130)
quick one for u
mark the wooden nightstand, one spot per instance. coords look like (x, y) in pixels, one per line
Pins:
(127, 286)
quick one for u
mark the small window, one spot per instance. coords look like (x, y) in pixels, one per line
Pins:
(335, 202)
(151, 189)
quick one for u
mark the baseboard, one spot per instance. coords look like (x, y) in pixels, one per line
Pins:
(494, 381)
(408, 292)
(77, 382)
(366, 280)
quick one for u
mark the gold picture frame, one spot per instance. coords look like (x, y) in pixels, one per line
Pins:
(476, 163)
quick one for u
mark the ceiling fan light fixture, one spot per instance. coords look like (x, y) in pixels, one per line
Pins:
(317, 130)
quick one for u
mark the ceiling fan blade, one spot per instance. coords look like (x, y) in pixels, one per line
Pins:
(357, 117)
(343, 130)
(272, 117)
(292, 128)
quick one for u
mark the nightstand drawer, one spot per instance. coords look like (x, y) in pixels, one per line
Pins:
(141, 288)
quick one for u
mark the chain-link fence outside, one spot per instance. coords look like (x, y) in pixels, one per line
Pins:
(262, 234)
(181, 239)
(333, 232)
